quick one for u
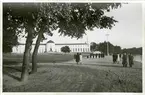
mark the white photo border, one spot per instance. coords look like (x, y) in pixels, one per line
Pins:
(72, 93)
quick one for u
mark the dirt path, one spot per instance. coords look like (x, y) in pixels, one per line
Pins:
(94, 75)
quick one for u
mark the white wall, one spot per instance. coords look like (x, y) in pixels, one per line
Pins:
(18, 49)
(74, 48)
(55, 48)
(50, 46)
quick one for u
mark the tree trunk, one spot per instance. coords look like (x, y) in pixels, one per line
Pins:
(35, 52)
(26, 57)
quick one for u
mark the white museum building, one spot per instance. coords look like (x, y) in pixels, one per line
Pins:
(51, 46)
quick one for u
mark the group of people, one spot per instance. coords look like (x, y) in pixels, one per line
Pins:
(127, 59)
(78, 58)
(96, 55)
(116, 58)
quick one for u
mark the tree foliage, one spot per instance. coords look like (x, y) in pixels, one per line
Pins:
(117, 49)
(71, 19)
(65, 49)
(112, 49)
(93, 46)
(85, 16)
(133, 50)
(10, 38)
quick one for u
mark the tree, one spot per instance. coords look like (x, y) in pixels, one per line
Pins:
(24, 15)
(133, 50)
(65, 49)
(93, 46)
(117, 49)
(10, 38)
(112, 49)
(103, 47)
(72, 19)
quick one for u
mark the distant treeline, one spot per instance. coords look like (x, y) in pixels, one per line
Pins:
(113, 49)
(133, 50)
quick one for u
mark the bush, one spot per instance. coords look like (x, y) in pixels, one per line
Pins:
(65, 49)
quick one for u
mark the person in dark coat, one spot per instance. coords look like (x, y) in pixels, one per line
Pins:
(93, 55)
(96, 55)
(87, 56)
(90, 55)
(130, 57)
(124, 60)
(103, 55)
(99, 55)
(113, 56)
(120, 55)
(77, 58)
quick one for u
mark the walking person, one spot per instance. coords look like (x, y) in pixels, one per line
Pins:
(77, 58)
(130, 57)
(96, 55)
(87, 56)
(90, 55)
(114, 58)
(99, 55)
(118, 58)
(120, 55)
(103, 55)
(124, 60)
(81, 58)
(93, 55)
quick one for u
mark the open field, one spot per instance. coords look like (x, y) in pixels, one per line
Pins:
(44, 58)
(94, 75)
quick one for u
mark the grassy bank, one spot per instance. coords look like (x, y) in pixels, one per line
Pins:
(41, 58)
(94, 75)
(73, 78)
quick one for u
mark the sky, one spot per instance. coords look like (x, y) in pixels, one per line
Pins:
(127, 33)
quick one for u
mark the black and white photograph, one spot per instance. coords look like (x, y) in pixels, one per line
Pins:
(72, 47)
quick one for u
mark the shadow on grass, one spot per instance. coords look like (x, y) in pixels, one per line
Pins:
(12, 69)
(116, 66)
(9, 70)
(10, 63)
(12, 76)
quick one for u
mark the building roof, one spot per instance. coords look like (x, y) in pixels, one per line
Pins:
(50, 41)
(70, 43)
(32, 44)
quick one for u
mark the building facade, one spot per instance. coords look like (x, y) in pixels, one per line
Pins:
(50, 46)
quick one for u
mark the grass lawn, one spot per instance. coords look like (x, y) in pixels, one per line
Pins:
(94, 75)
(41, 58)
